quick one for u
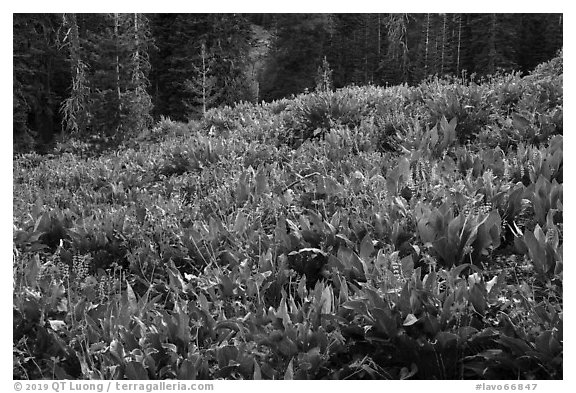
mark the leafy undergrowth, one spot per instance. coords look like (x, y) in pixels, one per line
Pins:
(367, 233)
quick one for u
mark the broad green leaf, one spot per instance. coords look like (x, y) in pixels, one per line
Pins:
(289, 374)
(327, 300)
(410, 320)
(242, 188)
(328, 185)
(287, 347)
(57, 325)
(519, 122)
(117, 350)
(407, 266)
(539, 234)
(135, 370)
(375, 299)
(366, 248)
(356, 305)
(405, 373)
(226, 354)
(447, 308)
(240, 223)
(183, 320)
(515, 202)
(476, 297)
(446, 340)
(454, 231)
(518, 346)
(282, 312)
(131, 297)
(536, 251)
(433, 137)
(203, 302)
(495, 285)
(257, 372)
(385, 320)
(141, 214)
(261, 181)
(176, 282)
(344, 292)
(431, 282)
(453, 123)
(227, 285)
(187, 370)
(32, 270)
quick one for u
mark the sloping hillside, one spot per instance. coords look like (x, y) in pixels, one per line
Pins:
(367, 233)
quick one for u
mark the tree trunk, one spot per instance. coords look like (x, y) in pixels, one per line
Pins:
(136, 53)
(117, 38)
(379, 37)
(74, 109)
(427, 42)
(459, 42)
(204, 81)
(443, 44)
(366, 20)
(492, 44)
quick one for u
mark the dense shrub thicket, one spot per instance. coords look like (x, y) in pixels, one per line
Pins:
(406, 232)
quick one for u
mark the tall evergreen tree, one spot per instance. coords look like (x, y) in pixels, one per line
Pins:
(396, 64)
(40, 74)
(75, 108)
(203, 86)
(457, 39)
(226, 36)
(116, 47)
(138, 102)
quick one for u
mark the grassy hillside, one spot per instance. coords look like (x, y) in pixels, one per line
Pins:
(407, 232)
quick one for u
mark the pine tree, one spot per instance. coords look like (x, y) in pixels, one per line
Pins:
(227, 38)
(40, 75)
(137, 100)
(324, 77)
(458, 23)
(203, 86)
(117, 51)
(102, 42)
(75, 108)
(397, 55)
(427, 46)
(444, 45)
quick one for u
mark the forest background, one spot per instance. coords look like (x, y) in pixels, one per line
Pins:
(113, 75)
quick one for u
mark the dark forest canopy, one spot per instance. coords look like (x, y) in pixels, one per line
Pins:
(114, 74)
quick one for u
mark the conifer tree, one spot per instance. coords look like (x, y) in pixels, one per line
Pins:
(75, 108)
(203, 86)
(324, 77)
(397, 55)
(458, 40)
(117, 46)
(137, 100)
(40, 73)
(227, 38)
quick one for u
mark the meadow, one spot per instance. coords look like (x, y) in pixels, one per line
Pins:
(363, 233)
